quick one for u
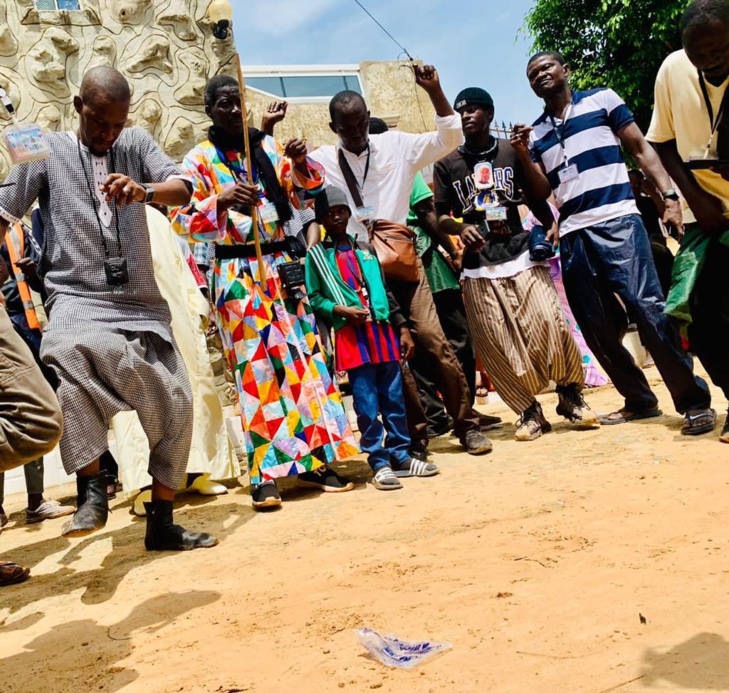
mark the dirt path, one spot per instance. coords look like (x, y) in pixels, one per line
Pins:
(534, 562)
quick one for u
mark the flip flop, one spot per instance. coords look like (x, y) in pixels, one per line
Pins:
(11, 573)
(624, 416)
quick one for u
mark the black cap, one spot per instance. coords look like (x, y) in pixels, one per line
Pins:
(473, 96)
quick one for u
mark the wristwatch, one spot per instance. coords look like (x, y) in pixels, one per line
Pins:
(149, 194)
(671, 194)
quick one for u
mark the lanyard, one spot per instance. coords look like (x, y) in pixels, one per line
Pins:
(237, 171)
(559, 130)
(713, 123)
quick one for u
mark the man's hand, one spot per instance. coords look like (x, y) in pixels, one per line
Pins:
(673, 215)
(407, 345)
(275, 112)
(472, 239)
(353, 316)
(553, 235)
(122, 189)
(709, 214)
(520, 138)
(426, 77)
(241, 194)
(295, 149)
(28, 268)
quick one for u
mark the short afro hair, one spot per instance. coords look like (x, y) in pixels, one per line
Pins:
(702, 12)
(378, 126)
(344, 98)
(216, 83)
(548, 54)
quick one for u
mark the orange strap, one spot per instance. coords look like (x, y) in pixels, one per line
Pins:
(16, 252)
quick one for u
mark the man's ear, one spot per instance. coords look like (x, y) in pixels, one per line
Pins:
(567, 70)
(332, 127)
(207, 112)
(78, 104)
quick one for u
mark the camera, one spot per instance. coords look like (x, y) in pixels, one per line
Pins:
(540, 248)
(292, 278)
(116, 271)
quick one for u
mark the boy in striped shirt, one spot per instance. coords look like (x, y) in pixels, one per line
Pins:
(573, 151)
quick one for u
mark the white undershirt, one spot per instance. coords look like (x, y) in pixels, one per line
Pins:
(99, 174)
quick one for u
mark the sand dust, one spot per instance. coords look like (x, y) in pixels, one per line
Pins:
(536, 563)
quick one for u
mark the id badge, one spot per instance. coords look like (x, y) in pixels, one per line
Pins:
(483, 175)
(267, 213)
(496, 213)
(568, 173)
(365, 214)
(26, 143)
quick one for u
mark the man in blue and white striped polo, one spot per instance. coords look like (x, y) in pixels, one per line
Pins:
(573, 151)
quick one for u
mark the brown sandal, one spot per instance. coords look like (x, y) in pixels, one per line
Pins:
(11, 573)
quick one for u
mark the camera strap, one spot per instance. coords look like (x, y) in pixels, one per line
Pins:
(94, 202)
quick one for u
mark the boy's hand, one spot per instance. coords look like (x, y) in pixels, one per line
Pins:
(407, 346)
(353, 316)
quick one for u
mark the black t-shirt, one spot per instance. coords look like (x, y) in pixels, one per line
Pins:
(456, 192)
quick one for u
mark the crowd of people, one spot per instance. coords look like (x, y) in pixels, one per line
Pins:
(340, 267)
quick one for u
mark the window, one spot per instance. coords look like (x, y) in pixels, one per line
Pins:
(305, 86)
(54, 5)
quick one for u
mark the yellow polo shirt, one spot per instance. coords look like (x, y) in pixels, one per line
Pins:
(680, 114)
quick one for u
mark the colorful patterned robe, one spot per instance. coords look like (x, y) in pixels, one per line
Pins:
(292, 411)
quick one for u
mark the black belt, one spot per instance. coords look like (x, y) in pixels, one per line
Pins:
(230, 252)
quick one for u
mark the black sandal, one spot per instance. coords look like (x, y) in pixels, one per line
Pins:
(699, 421)
(624, 416)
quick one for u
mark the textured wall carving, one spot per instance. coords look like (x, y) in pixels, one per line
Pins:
(165, 48)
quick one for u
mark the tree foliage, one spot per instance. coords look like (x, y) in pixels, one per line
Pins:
(610, 43)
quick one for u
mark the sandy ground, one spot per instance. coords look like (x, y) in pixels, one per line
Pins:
(534, 562)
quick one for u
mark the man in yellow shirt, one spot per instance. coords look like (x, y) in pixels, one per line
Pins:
(691, 123)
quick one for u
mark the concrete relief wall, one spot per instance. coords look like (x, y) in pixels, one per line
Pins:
(165, 48)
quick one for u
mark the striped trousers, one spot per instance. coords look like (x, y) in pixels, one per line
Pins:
(521, 335)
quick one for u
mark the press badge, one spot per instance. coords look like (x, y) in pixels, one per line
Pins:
(365, 214)
(483, 175)
(267, 213)
(496, 213)
(26, 143)
(568, 173)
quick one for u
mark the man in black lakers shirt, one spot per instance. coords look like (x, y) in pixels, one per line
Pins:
(513, 310)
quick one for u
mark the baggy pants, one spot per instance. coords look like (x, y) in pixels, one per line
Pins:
(30, 418)
(614, 258)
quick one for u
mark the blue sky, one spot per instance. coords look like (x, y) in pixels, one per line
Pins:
(471, 42)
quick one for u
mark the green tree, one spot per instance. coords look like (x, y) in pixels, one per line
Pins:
(610, 43)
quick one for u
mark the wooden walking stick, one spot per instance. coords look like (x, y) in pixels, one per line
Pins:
(220, 13)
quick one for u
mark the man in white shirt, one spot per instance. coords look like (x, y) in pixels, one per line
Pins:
(690, 128)
(384, 168)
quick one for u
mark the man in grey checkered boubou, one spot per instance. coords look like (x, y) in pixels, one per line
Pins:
(109, 337)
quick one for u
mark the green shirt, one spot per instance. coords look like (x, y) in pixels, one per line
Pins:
(440, 276)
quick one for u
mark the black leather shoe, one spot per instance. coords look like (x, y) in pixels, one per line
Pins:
(164, 535)
(92, 509)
